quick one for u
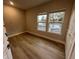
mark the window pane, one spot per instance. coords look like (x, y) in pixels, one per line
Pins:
(41, 18)
(41, 26)
(55, 27)
(56, 17)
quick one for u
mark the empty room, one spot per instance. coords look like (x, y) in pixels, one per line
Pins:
(39, 29)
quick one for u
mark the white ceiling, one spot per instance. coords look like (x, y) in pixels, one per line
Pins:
(25, 4)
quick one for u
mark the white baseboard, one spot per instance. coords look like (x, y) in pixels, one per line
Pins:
(59, 41)
(15, 34)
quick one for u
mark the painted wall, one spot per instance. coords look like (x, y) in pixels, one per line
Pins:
(31, 17)
(70, 39)
(14, 20)
(73, 54)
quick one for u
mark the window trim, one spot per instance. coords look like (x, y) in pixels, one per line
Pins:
(42, 22)
(47, 20)
(62, 22)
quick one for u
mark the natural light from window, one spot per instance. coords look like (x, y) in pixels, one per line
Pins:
(55, 22)
(51, 22)
(41, 22)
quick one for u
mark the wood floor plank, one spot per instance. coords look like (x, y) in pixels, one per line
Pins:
(26, 46)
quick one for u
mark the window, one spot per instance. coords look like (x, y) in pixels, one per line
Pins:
(41, 22)
(53, 24)
(55, 27)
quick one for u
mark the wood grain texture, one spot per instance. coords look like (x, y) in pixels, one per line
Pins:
(26, 46)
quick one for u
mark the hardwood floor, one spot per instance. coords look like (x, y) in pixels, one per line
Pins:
(26, 46)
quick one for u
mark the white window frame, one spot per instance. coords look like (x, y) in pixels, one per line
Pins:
(47, 22)
(39, 22)
(59, 22)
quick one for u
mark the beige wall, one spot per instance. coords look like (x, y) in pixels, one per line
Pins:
(70, 39)
(14, 20)
(31, 17)
(73, 54)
